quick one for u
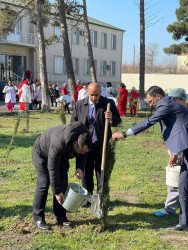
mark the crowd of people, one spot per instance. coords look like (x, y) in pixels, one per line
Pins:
(29, 94)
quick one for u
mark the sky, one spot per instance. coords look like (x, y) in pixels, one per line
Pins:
(124, 14)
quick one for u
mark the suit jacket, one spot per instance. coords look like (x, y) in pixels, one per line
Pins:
(81, 112)
(173, 118)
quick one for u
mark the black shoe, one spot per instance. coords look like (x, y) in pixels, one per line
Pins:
(86, 204)
(64, 222)
(178, 228)
(41, 225)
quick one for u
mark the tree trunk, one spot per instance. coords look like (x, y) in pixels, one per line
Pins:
(66, 48)
(142, 55)
(90, 51)
(42, 58)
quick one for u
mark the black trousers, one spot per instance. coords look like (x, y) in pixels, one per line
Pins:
(67, 107)
(43, 182)
(183, 190)
(93, 162)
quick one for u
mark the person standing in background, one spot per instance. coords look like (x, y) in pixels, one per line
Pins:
(64, 89)
(51, 94)
(24, 95)
(10, 98)
(83, 92)
(122, 99)
(133, 101)
(38, 94)
(109, 89)
(20, 71)
(55, 90)
(15, 88)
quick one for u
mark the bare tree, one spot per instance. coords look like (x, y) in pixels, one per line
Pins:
(90, 51)
(146, 20)
(142, 54)
(150, 56)
(171, 66)
(42, 57)
(66, 47)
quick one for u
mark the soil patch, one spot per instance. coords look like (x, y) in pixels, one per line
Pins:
(152, 144)
(177, 240)
(123, 195)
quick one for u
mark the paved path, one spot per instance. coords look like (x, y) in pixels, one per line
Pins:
(4, 110)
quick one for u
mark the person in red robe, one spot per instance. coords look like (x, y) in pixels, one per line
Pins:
(23, 96)
(77, 91)
(133, 101)
(122, 99)
(64, 89)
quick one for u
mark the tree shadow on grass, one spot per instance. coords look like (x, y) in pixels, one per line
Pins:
(132, 222)
(19, 140)
(140, 220)
(21, 211)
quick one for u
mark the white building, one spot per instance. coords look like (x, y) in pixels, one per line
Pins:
(20, 47)
(182, 61)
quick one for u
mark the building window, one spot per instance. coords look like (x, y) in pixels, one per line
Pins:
(103, 68)
(86, 67)
(76, 36)
(104, 41)
(113, 69)
(58, 33)
(59, 65)
(76, 65)
(113, 42)
(94, 38)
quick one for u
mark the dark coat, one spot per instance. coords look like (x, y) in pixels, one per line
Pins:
(55, 146)
(173, 118)
(81, 111)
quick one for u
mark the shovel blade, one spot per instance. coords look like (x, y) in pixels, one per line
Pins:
(96, 205)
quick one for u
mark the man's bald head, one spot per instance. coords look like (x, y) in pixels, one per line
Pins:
(94, 92)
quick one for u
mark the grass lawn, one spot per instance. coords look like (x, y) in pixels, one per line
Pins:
(137, 189)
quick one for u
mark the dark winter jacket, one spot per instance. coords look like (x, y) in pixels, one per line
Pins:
(56, 146)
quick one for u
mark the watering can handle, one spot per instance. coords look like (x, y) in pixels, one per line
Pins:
(104, 147)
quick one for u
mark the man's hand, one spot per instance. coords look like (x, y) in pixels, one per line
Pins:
(79, 173)
(60, 198)
(172, 160)
(117, 136)
(108, 115)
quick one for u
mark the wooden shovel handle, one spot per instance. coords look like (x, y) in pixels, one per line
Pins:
(104, 147)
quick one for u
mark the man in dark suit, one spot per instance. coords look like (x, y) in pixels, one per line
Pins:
(91, 111)
(51, 153)
(173, 118)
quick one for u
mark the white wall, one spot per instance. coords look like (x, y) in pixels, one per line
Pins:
(165, 81)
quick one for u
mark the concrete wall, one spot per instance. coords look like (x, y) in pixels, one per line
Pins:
(165, 81)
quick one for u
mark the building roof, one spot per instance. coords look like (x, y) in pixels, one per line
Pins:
(184, 54)
(91, 20)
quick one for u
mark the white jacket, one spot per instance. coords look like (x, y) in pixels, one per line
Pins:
(82, 94)
(26, 94)
(10, 96)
